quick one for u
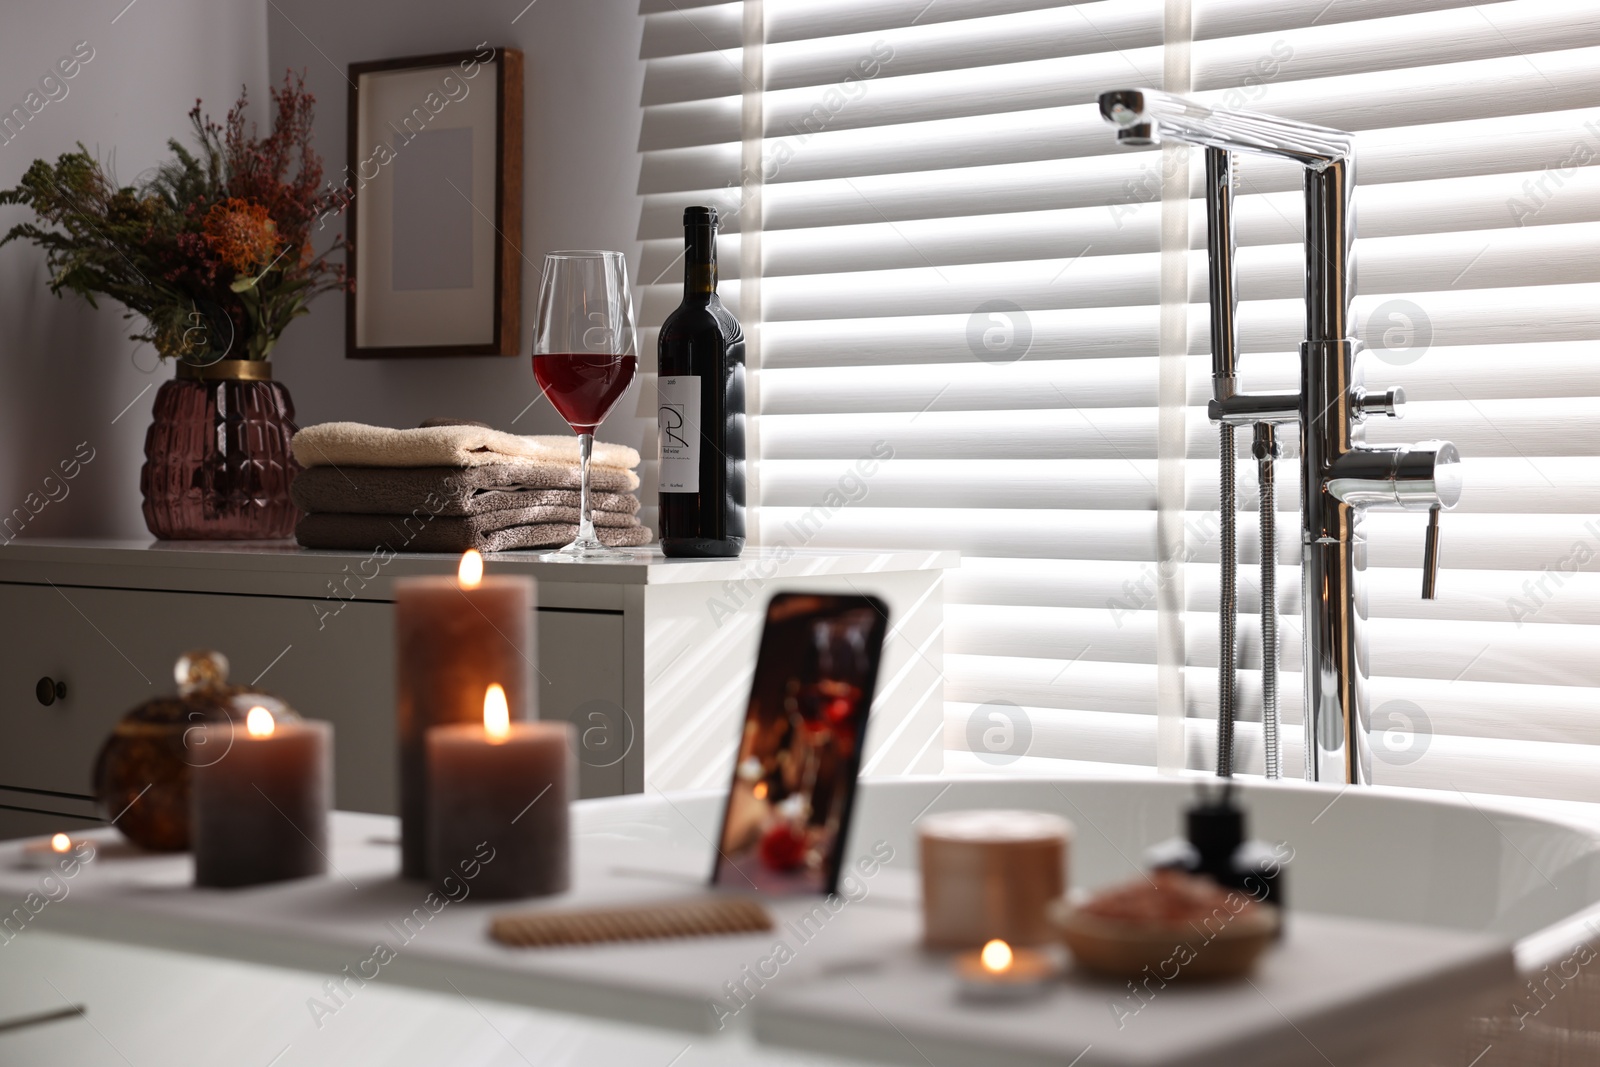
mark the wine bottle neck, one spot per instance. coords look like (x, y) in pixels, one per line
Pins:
(699, 262)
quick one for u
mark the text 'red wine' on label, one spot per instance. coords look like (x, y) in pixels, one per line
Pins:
(678, 419)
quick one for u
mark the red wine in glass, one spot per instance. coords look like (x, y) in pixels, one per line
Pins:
(584, 386)
(585, 355)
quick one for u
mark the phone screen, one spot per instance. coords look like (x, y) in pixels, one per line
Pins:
(794, 778)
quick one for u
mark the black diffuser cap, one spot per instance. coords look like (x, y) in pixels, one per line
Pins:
(704, 216)
(1216, 830)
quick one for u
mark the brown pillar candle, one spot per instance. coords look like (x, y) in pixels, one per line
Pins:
(498, 794)
(454, 638)
(260, 813)
(991, 874)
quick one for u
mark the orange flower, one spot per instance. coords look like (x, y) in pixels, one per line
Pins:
(241, 234)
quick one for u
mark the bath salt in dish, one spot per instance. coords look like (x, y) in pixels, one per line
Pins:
(1176, 924)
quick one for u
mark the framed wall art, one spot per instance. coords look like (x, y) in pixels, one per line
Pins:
(435, 211)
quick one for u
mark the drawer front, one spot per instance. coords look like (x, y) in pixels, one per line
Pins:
(580, 681)
(73, 637)
(114, 648)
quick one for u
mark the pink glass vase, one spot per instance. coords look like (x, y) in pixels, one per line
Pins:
(217, 463)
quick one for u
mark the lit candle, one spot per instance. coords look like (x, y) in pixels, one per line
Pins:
(454, 637)
(46, 854)
(1000, 972)
(260, 812)
(989, 874)
(497, 802)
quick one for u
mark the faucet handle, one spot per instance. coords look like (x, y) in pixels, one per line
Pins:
(1430, 556)
(1390, 402)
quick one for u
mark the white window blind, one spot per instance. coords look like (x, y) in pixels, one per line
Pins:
(957, 261)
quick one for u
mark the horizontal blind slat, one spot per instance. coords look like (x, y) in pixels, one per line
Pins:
(1568, 594)
(1475, 203)
(1505, 428)
(899, 142)
(1257, 61)
(1091, 739)
(1553, 313)
(1474, 541)
(991, 36)
(1508, 486)
(1128, 179)
(1551, 369)
(942, 83)
(800, 20)
(1482, 259)
(692, 28)
(1445, 650)
(1547, 713)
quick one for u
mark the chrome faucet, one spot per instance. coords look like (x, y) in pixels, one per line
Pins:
(1341, 477)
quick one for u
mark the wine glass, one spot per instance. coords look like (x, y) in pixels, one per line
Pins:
(585, 355)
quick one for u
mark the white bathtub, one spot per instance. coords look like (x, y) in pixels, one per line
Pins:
(1406, 856)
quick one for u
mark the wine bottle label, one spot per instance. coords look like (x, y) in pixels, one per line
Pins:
(678, 419)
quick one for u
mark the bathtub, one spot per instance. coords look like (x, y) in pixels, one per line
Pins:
(1529, 873)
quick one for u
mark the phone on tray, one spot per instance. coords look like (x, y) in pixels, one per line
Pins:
(794, 778)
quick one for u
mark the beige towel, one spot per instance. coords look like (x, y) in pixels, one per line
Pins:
(354, 444)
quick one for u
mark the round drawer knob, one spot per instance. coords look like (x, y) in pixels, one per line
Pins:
(49, 691)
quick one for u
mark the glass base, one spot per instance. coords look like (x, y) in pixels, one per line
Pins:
(587, 550)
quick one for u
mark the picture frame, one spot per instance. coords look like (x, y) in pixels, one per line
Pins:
(433, 183)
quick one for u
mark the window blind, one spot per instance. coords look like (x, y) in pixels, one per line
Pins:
(959, 265)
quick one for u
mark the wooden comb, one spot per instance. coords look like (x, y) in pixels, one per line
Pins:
(687, 918)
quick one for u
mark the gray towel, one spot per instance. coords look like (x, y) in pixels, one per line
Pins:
(455, 491)
(494, 531)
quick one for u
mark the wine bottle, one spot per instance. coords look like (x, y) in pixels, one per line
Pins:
(700, 407)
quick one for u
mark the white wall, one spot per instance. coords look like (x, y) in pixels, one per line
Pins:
(66, 370)
(583, 82)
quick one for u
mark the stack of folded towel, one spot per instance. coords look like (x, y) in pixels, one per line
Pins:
(448, 487)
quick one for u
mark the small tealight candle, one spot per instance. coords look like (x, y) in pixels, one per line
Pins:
(1000, 972)
(497, 803)
(260, 812)
(47, 853)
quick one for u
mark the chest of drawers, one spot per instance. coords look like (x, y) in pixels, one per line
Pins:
(650, 660)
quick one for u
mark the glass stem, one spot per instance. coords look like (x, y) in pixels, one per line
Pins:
(585, 525)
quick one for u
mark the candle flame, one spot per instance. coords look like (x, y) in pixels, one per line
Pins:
(996, 957)
(60, 843)
(760, 790)
(258, 722)
(496, 713)
(470, 573)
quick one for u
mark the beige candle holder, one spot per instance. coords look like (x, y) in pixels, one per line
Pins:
(991, 874)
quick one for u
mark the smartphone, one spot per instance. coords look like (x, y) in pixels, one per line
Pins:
(794, 779)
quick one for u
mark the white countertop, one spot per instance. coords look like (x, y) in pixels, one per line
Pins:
(142, 558)
(859, 987)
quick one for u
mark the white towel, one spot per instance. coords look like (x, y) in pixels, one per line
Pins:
(354, 444)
